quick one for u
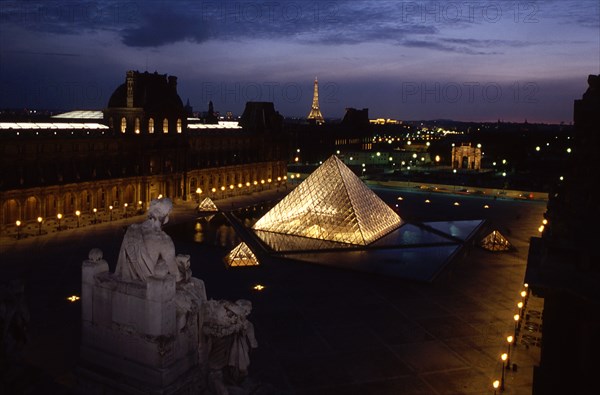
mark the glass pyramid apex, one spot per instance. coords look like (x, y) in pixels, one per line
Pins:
(241, 255)
(495, 241)
(207, 205)
(332, 204)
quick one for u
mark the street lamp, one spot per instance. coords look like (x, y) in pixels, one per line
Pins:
(18, 223)
(110, 210)
(39, 219)
(520, 306)
(59, 217)
(495, 384)
(503, 357)
(516, 317)
(95, 210)
(198, 192)
(77, 213)
(125, 209)
(509, 340)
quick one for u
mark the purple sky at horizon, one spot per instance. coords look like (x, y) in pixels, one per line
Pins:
(410, 60)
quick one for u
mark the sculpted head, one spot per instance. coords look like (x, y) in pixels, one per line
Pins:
(160, 209)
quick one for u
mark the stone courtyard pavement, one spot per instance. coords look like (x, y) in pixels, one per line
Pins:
(320, 330)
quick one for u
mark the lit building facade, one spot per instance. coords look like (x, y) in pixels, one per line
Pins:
(466, 157)
(141, 146)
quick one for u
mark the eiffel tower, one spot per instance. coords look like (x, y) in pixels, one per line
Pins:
(315, 114)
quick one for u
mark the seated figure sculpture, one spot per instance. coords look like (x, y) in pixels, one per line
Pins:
(144, 244)
(151, 324)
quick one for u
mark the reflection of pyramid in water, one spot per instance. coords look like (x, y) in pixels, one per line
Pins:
(207, 205)
(332, 204)
(241, 255)
(495, 242)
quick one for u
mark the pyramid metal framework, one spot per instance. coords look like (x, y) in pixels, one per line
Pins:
(332, 204)
(241, 255)
(495, 241)
(207, 205)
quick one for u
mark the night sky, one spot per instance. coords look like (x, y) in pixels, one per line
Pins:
(463, 60)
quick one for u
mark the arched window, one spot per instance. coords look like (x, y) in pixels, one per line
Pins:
(165, 125)
(123, 125)
(179, 126)
(151, 125)
(137, 126)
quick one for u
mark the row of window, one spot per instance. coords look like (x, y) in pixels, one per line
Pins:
(165, 125)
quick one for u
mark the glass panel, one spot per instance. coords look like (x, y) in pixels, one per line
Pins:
(422, 264)
(241, 255)
(459, 229)
(207, 205)
(495, 241)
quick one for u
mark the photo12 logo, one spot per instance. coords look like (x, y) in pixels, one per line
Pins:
(468, 92)
(468, 11)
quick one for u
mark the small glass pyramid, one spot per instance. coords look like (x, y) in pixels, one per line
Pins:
(207, 205)
(495, 242)
(332, 204)
(241, 255)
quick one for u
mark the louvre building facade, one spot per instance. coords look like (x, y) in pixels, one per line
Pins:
(144, 144)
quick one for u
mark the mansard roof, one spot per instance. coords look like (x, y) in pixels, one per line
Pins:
(151, 91)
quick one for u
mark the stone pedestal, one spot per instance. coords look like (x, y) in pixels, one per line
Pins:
(131, 343)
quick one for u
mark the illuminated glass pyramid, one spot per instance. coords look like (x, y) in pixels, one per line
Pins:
(241, 255)
(207, 205)
(331, 204)
(495, 241)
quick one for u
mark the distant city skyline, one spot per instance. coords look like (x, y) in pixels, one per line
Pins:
(469, 61)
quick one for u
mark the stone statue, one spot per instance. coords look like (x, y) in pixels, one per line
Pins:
(230, 337)
(144, 244)
(149, 326)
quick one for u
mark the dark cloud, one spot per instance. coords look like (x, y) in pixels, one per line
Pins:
(477, 43)
(70, 17)
(441, 46)
(165, 26)
(318, 22)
